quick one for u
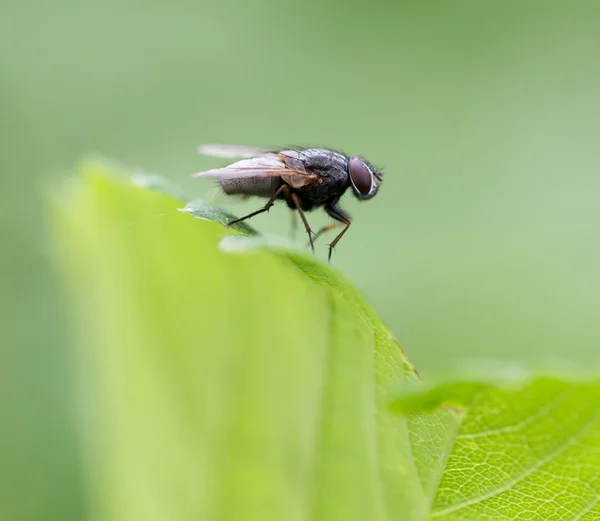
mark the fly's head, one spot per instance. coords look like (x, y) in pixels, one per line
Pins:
(365, 179)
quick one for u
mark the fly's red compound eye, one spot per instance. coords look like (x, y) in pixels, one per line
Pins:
(360, 176)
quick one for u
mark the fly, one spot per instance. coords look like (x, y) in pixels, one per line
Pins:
(305, 178)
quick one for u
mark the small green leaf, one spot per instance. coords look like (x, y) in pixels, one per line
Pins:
(517, 450)
(201, 210)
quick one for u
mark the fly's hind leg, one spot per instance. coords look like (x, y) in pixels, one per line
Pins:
(266, 207)
(339, 215)
(293, 225)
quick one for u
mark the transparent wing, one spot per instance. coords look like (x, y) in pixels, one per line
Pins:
(270, 165)
(230, 151)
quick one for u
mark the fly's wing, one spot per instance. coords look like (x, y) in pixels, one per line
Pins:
(295, 160)
(267, 165)
(230, 151)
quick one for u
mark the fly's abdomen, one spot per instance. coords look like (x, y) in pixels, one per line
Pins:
(251, 186)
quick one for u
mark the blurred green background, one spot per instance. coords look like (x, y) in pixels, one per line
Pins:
(484, 116)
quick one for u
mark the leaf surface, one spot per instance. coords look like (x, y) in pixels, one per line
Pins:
(228, 377)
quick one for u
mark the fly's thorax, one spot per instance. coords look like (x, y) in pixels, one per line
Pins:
(316, 160)
(251, 186)
(329, 166)
(331, 186)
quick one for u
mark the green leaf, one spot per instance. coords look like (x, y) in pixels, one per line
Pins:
(232, 377)
(520, 449)
(224, 386)
(201, 210)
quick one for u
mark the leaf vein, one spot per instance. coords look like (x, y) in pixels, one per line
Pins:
(322, 411)
(587, 508)
(521, 477)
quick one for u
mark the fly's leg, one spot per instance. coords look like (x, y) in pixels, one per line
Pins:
(266, 208)
(294, 225)
(339, 215)
(298, 204)
(325, 229)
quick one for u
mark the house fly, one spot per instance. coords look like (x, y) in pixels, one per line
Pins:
(305, 178)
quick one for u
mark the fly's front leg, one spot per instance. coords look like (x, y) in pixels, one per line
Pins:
(266, 208)
(325, 229)
(339, 215)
